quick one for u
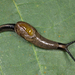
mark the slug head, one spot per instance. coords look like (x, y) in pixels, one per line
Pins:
(25, 30)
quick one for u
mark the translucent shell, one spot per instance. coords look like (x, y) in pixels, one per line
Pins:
(27, 28)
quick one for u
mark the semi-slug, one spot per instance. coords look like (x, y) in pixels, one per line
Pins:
(30, 34)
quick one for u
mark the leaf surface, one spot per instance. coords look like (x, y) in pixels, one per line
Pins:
(53, 19)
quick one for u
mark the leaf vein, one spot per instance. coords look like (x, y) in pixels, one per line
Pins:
(37, 60)
(17, 10)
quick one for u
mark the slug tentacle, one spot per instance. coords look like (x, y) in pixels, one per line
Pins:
(70, 54)
(70, 43)
(68, 50)
(65, 48)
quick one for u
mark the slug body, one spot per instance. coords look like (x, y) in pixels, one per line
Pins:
(29, 33)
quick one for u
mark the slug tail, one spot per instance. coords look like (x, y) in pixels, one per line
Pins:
(7, 27)
(68, 50)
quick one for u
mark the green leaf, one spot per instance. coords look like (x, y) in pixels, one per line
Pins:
(53, 19)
